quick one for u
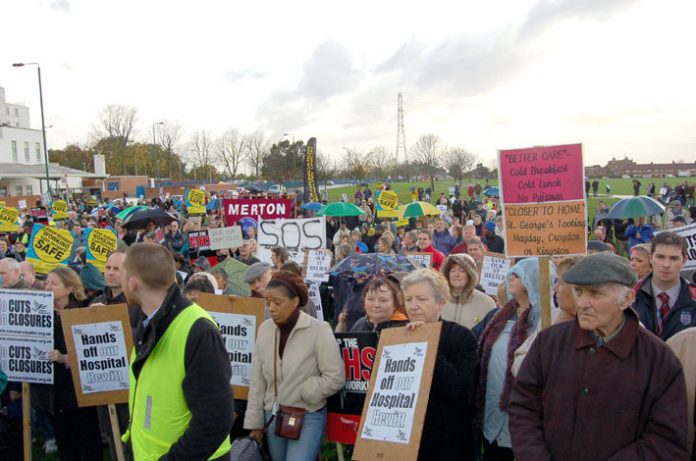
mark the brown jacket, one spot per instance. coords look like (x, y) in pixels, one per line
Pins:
(574, 401)
(684, 344)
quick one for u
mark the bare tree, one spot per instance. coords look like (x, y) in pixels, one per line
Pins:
(380, 161)
(169, 135)
(201, 149)
(257, 150)
(459, 162)
(118, 122)
(232, 150)
(356, 165)
(323, 168)
(428, 151)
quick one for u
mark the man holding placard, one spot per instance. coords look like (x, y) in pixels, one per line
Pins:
(181, 403)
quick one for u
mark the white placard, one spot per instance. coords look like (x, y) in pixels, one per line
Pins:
(689, 234)
(238, 332)
(318, 265)
(225, 237)
(295, 235)
(26, 335)
(442, 208)
(102, 357)
(22, 204)
(315, 297)
(493, 273)
(392, 407)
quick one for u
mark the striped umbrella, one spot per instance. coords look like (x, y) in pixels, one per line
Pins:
(129, 211)
(416, 209)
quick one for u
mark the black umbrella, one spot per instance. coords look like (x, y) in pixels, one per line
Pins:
(139, 219)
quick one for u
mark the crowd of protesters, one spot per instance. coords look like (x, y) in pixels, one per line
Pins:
(613, 378)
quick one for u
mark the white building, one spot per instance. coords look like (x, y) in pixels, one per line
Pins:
(22, 165)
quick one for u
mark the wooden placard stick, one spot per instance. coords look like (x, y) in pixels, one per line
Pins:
(26, 421)
(545, 290)
(116, 431)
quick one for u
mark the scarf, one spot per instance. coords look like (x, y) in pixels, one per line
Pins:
(488, 338)
(285, 330)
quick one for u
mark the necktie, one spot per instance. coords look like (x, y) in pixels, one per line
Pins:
(664, 311)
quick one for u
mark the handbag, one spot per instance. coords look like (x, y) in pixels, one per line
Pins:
(247, 449)
(288, 419)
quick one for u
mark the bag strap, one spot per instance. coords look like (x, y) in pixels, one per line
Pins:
(275, 379)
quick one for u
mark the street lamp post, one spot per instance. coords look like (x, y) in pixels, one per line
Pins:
(157, 160)
(43, 123)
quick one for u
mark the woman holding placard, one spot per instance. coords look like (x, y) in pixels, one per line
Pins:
(504, 333)
(296, 367)
(448, 429)
(76, 429)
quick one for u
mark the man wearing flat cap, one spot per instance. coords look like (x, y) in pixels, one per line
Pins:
(600, 387)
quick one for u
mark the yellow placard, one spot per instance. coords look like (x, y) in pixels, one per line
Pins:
(8, 219)
(100, 244)
(387, 201)
(49, 247)
(195, 201)
(59, 209)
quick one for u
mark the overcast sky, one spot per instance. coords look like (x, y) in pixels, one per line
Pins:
(617, 75)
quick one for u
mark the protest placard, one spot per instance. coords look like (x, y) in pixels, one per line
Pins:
(100, 244)
(542, 195)
(315, 298)
(8, 219)
(257, 208)
(392, 418)
(295, 235)
(239, 320)
(225, 237)
(22, 204)
(344, 409)
(689, 234)
(48, 247)
(99, 342)
(316, 265)
(494, 271)
(420, 259)
(59, 209)
(199, 241)
(387, 202)
(26, 335)
(195, 201)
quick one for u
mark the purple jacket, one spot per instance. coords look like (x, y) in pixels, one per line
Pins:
(443, 241)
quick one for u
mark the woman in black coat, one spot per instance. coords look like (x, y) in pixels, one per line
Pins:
(449, 430)
(76, 429)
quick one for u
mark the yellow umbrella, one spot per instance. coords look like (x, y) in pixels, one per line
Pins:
(416, 209)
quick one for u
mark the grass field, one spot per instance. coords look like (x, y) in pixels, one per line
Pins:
(618, 187)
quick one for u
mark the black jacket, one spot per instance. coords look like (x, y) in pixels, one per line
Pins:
(207, 383)
(107, 298)
(681, 316)
(449, 427)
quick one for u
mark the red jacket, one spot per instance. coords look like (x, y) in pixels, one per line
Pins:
(438, 257)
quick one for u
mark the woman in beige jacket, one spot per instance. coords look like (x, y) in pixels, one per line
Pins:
(467, 306)
(298, 355)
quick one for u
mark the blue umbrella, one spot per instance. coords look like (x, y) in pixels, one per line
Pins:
(636, 206)
(245, 224)
(491, 192)
(312, 206)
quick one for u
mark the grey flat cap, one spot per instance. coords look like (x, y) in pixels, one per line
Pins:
(600, 268)
(255, 271)
(597, 245)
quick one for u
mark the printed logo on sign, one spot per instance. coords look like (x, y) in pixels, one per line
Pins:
(52, 245)
(196, 197)
(101, 243)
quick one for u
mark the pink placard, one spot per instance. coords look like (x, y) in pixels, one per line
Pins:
(257, 208)
(542, 174)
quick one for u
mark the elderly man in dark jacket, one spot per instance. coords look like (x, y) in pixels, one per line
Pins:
(601, 387)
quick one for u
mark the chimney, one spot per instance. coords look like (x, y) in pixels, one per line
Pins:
(99, 165)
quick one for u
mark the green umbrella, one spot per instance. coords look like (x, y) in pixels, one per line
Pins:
(340, 209)
(236, 270)
(416, 209)
(129, 211)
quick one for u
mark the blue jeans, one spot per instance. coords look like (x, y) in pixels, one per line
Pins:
(306, 448)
